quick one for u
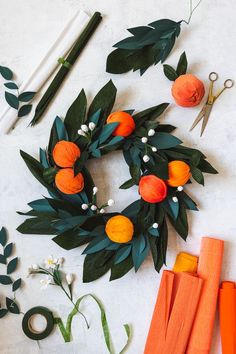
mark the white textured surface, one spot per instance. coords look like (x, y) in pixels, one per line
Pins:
(27, 29)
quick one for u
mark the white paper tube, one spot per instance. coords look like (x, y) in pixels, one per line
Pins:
(47, 65)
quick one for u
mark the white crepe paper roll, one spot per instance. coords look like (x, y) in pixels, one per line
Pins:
(47, 66)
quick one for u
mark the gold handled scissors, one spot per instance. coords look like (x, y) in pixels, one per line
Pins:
(206, 110)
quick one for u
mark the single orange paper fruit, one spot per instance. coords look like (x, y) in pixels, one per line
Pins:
(119, 229)
(65, 153)
(67, 183)
(126, 126)
(188, 90)
(152, 189)
(179, 173)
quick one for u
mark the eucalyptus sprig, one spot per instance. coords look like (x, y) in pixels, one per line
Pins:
(6, 279)
(55, 276)
(16, 100)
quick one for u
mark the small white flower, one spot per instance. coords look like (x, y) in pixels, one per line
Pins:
(146, 158)
(80, 132)
(92, 126)
(151, 132)
(50, 262)
(45, 282)
(102, 211)
(93, 207)
(155, 225)
(110, 202)
(84, 128)
(180, 188)
(84, 206)
(154, 149)
(144, 139)
(95, 190)
(175, 199)
(69, 278)
(35, 266)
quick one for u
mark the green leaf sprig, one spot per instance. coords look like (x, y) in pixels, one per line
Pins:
(6, 279)
(16, 100)
(55, 276)
(181, 69)
(147, 46)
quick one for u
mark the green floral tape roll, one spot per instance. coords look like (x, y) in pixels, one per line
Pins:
(27, 327)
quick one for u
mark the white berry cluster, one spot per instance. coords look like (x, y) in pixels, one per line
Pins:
(94, 207)
(85, 130)
(144, 140)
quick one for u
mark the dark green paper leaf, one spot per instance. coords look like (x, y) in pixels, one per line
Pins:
(164, 140)
(182, 65)
(8, 250)
(128, 184)
(3, 312)
(76, 115)
(6, 73)
(11, 85)
(12, 306)
(3, 259)
(16, 285)
(197, 175)
(26, 96)
(12, 100)
(170, 72)
(96, 265)
(3, 236)
(5, 280)
(24, 110)
(11, 267)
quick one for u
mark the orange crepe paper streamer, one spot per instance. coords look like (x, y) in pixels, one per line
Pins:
(209, 269)
(227, 310)
(174, 313)
(185, 262)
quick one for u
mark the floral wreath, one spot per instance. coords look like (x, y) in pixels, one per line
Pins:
(158, 163)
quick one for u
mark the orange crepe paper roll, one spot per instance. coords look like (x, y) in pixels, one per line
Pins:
(227, 311)
(209, 269)
(185, 262)
(174, 313)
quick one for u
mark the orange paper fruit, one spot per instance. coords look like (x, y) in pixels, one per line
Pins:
(179, 173)
(119, 229)
(65, 153)
(126, 126)
(67, 183)
(188, 90)
(152, 189)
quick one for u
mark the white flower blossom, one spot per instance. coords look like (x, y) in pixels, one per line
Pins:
(110, 202)
(175, 199)
(84, 128)
(95, 190)
(155, 225)
(34, 266)
(92, 126)
(154, 149)
(93, 207)
(60, 261)
(102, 211)
(80, 132)
(144, 139)
(45, 282)
(146, 158)
(180, 188)
(69, 278)
(151, 132)
(50, 262)
(84, 206)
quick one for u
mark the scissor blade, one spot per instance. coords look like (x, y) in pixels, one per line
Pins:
(199, 117)
(206, 118)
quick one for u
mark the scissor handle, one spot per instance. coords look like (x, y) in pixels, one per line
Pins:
(213, 76)
(228, 83)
